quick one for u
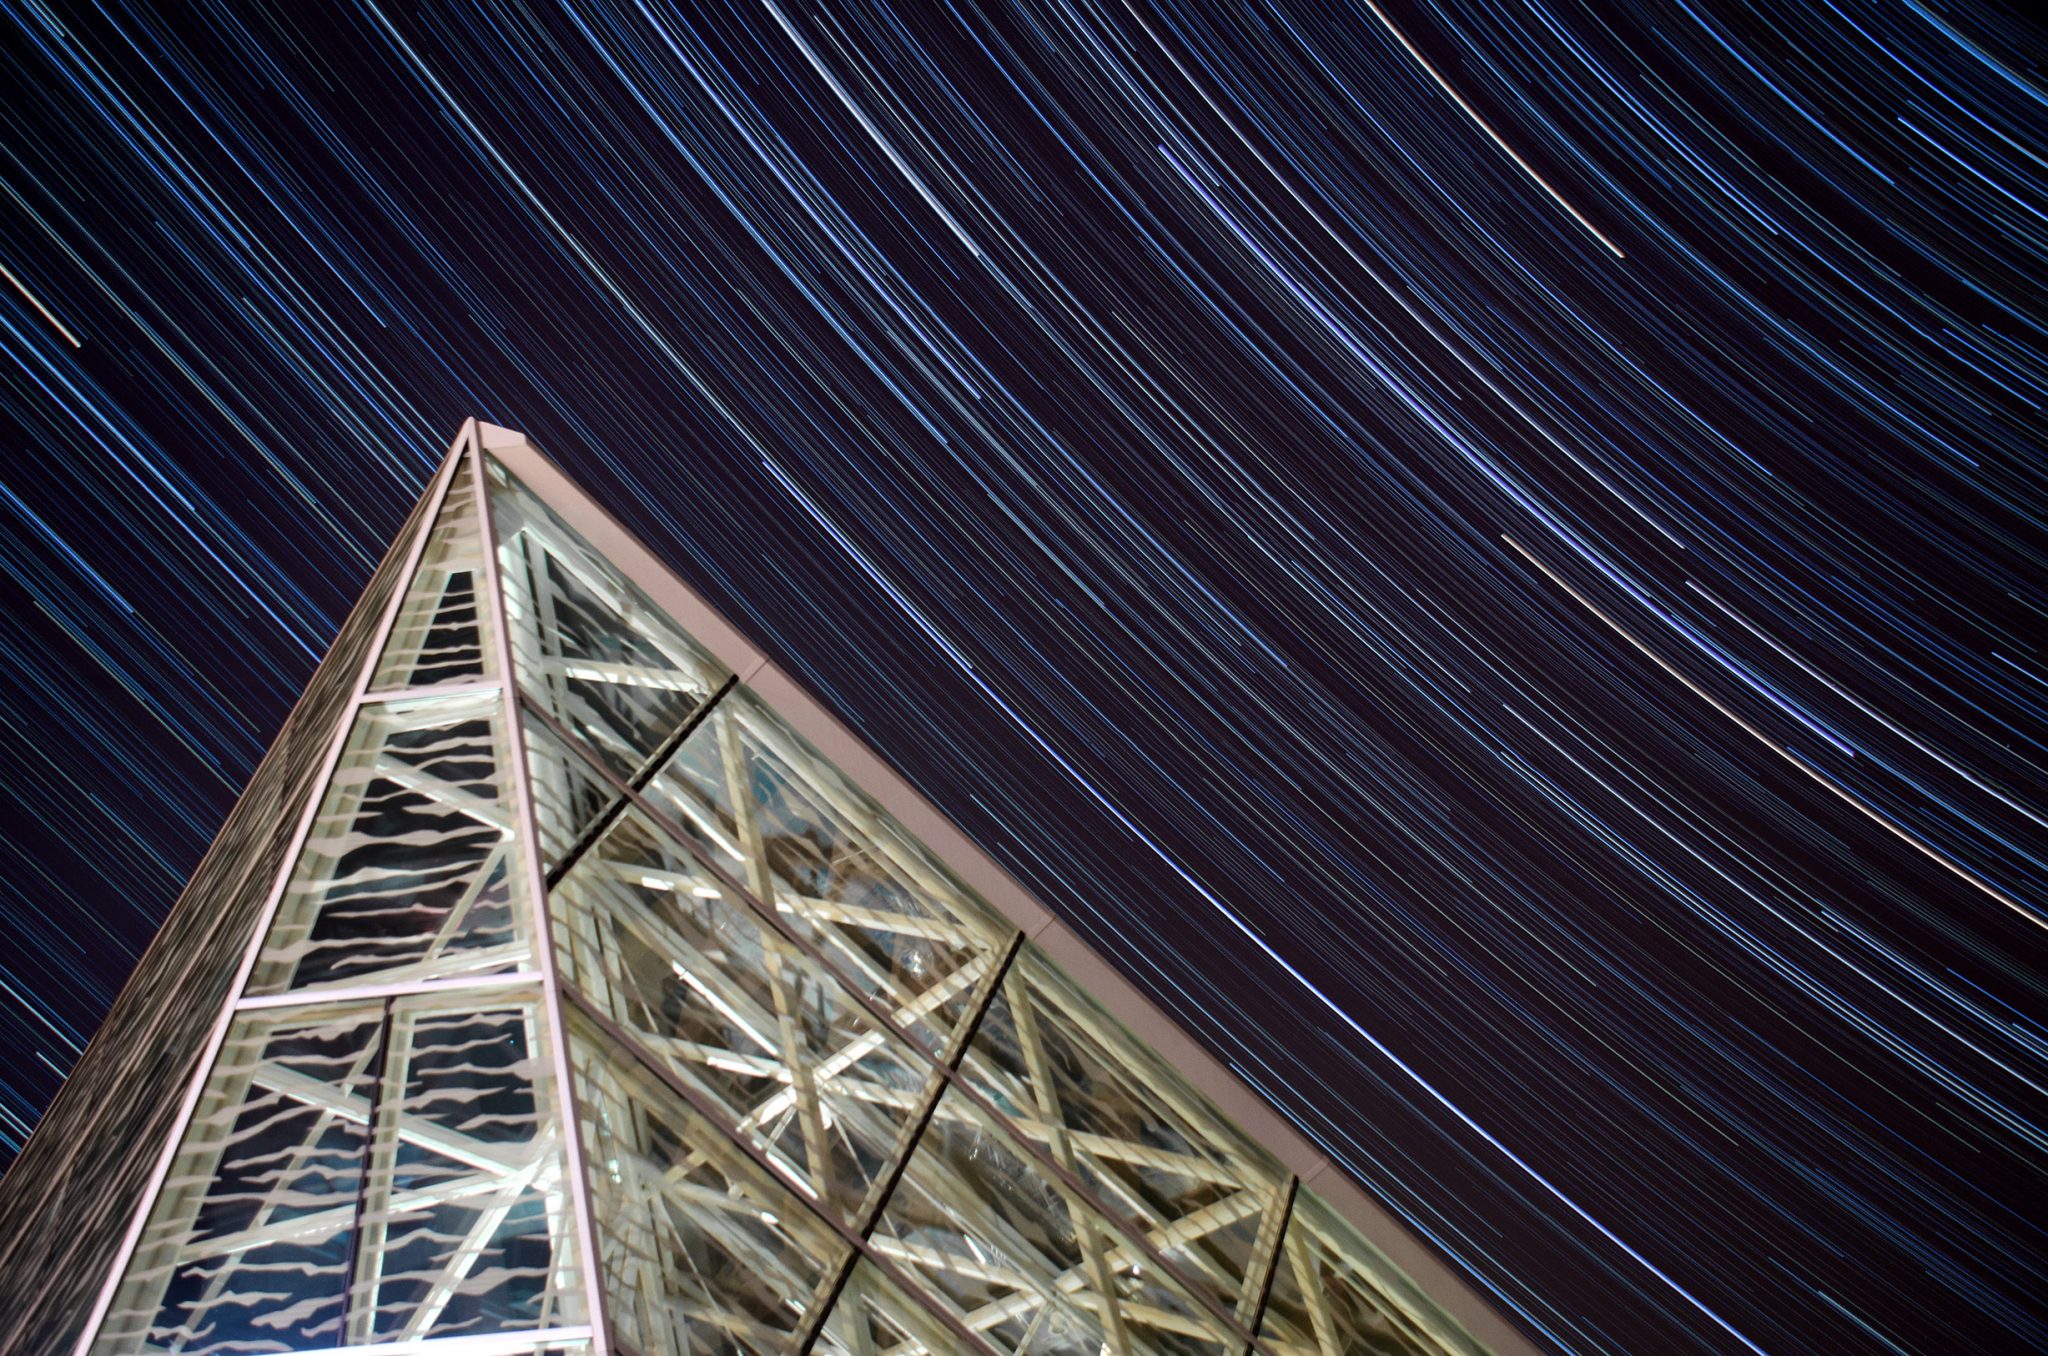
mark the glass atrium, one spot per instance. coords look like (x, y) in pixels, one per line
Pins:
(591, 1009)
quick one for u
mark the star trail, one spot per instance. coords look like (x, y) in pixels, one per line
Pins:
(1490, 556)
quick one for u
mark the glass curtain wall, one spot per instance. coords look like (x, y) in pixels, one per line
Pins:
(376, 1157)
(596, 1007)
(831, 1100)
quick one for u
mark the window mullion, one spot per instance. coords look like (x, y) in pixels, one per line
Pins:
(1265, 1259)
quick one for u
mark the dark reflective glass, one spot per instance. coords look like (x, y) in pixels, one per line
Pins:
(442, 632)
(412, 867)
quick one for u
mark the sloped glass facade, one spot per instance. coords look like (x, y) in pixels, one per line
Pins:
(70, 1197)
(594, 1009)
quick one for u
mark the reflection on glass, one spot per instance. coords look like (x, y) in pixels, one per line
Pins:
(411, 870)
(1334, 1294)
(1109, 1110)
(465, 1225)
(702, 1251)
(261, 1195)
(801, 836)
(997, 1241)
(589, 645)
(872, 1315)
(442, 631)
(394, 1169)
(703, 984)
(569, 795)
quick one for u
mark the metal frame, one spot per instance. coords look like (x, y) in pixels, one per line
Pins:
(498, 1181)
(1059, 1165)
(1245, 1181)
(854, 1239)
(1126, 1004)
(543, 932)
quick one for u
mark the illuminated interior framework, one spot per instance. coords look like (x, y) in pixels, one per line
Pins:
(593, 1009)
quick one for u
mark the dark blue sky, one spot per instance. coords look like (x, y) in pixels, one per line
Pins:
(1491, 557)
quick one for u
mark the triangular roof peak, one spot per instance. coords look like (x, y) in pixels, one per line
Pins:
(1129, 1005)
(578, 982)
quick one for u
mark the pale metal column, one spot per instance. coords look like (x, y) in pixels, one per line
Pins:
(544, 939)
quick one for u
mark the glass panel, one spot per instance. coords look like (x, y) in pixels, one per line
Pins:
(1335, 1294)
(872, 1316)
(702, 1251)
(568, 793)
(466, 1225)
(998, 1242)
(589, 646)
(442, 632)
(1110, 1111)
(261, 1196)
(412, 869)
(359, 1173)
(797, 833)
(711, 991)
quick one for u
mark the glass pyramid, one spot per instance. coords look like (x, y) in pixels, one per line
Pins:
(585, 1006)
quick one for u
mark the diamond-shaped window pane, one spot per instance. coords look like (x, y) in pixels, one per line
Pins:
(590, 647)
(760, 1028)
(800, 835)
(1109, 1110)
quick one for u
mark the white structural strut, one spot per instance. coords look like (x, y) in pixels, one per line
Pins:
(535, 884)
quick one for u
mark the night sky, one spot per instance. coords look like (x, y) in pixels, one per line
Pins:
(1490, 556)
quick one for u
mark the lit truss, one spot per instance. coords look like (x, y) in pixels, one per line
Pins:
(597, 1011)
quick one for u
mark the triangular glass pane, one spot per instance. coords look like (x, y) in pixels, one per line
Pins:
(730, 1007)
(1109, 1110)
(796, 832)
(590, 647)
(1334, 1293)
(412, 869)
(702, 1251)
(442, 633)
